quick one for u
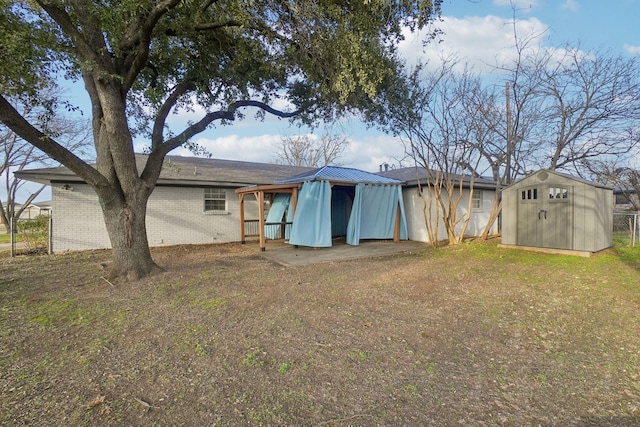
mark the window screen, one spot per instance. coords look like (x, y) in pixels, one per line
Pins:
(214, 199)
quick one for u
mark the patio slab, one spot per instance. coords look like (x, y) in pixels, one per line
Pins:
(290, 256)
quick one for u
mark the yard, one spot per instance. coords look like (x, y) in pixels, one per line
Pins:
(467, 335)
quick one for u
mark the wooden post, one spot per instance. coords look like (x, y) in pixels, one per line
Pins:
(396, 231)
(263, 240)
(294, 201)
(242, 230)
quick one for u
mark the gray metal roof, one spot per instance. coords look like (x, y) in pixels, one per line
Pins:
(194, 171)
(340, 174)
(411, 175)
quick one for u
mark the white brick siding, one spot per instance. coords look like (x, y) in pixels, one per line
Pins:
(414, 205)
(175, 215)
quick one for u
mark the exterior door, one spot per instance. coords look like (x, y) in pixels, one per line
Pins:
(529, 225)
(558, 217)
(545, 216)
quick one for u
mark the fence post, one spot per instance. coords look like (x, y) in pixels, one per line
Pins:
(635, 229)
(50, 236)
(12, 231)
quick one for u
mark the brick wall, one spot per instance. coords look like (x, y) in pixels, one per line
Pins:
(175, 215)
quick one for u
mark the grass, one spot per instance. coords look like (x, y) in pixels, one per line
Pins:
(467, 335)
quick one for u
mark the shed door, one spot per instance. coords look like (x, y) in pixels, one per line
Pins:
(529, 225)
(545, 217)
(558, 217)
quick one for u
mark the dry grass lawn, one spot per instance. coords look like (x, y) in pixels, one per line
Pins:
(473, 335)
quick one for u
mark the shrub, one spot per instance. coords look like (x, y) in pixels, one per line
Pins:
(34, 233)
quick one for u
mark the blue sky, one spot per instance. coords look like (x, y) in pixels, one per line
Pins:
(477, 31)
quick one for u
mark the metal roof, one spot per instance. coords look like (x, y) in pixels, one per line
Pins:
(340, 174)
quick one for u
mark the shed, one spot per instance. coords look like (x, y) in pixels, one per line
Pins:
(557, 211)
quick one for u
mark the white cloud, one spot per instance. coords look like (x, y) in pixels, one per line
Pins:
(633, 50)
(481, 41)
(258, 148)
(369, 152)
(366, 152)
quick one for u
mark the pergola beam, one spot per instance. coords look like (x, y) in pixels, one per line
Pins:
(259, 192)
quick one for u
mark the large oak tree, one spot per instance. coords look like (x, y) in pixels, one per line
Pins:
(141, 60)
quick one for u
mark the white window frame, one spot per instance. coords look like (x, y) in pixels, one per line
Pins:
(477, 198)
(214, 194)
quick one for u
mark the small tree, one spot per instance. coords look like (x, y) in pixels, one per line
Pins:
(438, 130)
(308, 150)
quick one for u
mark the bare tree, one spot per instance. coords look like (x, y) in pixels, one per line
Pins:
(437, 135)
(308, 150)
(17, 154)
(563, 109)
(591, 104)
(623, 176)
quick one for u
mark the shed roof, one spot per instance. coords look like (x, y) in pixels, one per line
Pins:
(340, 174)
(563, 175)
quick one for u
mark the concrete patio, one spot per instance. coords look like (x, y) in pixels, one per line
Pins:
(290, 256)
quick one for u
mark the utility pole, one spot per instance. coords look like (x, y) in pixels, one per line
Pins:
(507, 173)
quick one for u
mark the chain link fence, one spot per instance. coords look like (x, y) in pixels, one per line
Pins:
(31, 236)
(626, 229)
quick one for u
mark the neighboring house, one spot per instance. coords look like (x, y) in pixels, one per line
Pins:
(557, 211)
(194, 202)
(34, 210)
(414, 205)
(625, 199)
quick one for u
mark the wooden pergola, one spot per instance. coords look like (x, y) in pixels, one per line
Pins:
(268, 192)
(262, 193)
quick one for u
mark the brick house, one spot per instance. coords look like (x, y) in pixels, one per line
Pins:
(193, 203)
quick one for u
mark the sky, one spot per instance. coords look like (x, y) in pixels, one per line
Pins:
(479, 32)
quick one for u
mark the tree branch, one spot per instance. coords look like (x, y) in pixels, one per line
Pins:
(154, 163)
(12, 119)
(216, 26)
(139, 39)
(163, 113)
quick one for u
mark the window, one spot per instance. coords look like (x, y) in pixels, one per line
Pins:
(476, 200)
(215, 200)
(558, 193)
(529, 194)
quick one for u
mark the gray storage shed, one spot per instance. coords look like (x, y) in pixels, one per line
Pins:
(552, 210)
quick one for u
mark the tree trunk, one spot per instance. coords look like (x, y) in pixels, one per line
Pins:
(126, 226)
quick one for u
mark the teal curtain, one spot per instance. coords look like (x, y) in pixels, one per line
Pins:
(373, 214)
(276, 212)
(353, 227)
(312, 219)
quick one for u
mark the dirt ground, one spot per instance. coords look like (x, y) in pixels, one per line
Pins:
(474, 335)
